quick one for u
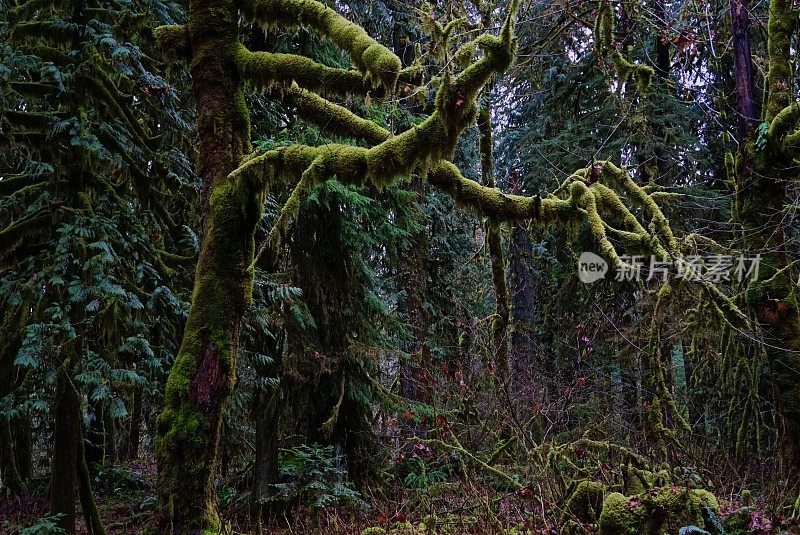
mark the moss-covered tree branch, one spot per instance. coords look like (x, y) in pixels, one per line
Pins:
(372, 58)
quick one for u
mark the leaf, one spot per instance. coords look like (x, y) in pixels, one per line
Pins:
(100, 393)
(117, 409)
(761, 140)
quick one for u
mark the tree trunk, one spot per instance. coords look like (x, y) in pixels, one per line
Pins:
(95, 435)
(265, 468)
(524, 367)
(414, 383)
(762, 175)
(94, 525)
(494, 241)
(134, 431)
(65, 440)
(267, 411)
(10, 477)
(743, 68)
(204, 371)
(21, 430)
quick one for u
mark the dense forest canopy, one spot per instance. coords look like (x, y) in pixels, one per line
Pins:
(386, 267)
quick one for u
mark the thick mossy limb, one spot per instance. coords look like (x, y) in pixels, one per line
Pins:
(367, 54)
(784, 122)
(640, 197)
(663, 510)
(333, 118)
(418, 147)
(264, 70)
(380, 166)
(455, 100)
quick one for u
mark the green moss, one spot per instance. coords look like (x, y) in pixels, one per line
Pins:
(653, 513)
(604, 27)
(606, 46)
(333, 118)
(585, 502)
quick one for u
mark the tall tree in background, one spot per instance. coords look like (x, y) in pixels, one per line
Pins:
(88, 241)
(766, 170)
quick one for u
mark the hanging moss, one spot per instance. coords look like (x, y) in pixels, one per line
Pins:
(605, 46)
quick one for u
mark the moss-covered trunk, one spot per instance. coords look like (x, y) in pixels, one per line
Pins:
(204, 370)
(495, 245)
(763, 173)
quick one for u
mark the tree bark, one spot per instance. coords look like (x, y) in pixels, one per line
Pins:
(494, 242)
(414, 383)
(524, 367)
(23, 445)
(134, 430)
(10, 477)
(746, 107)
(91, 516)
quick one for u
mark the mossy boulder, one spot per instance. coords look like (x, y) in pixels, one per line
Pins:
(661, 510)
(585, 502)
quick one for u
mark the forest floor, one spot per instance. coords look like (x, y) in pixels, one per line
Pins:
(125, 497)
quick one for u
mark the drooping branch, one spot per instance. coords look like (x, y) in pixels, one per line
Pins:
(420, 146)
(605, 45)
